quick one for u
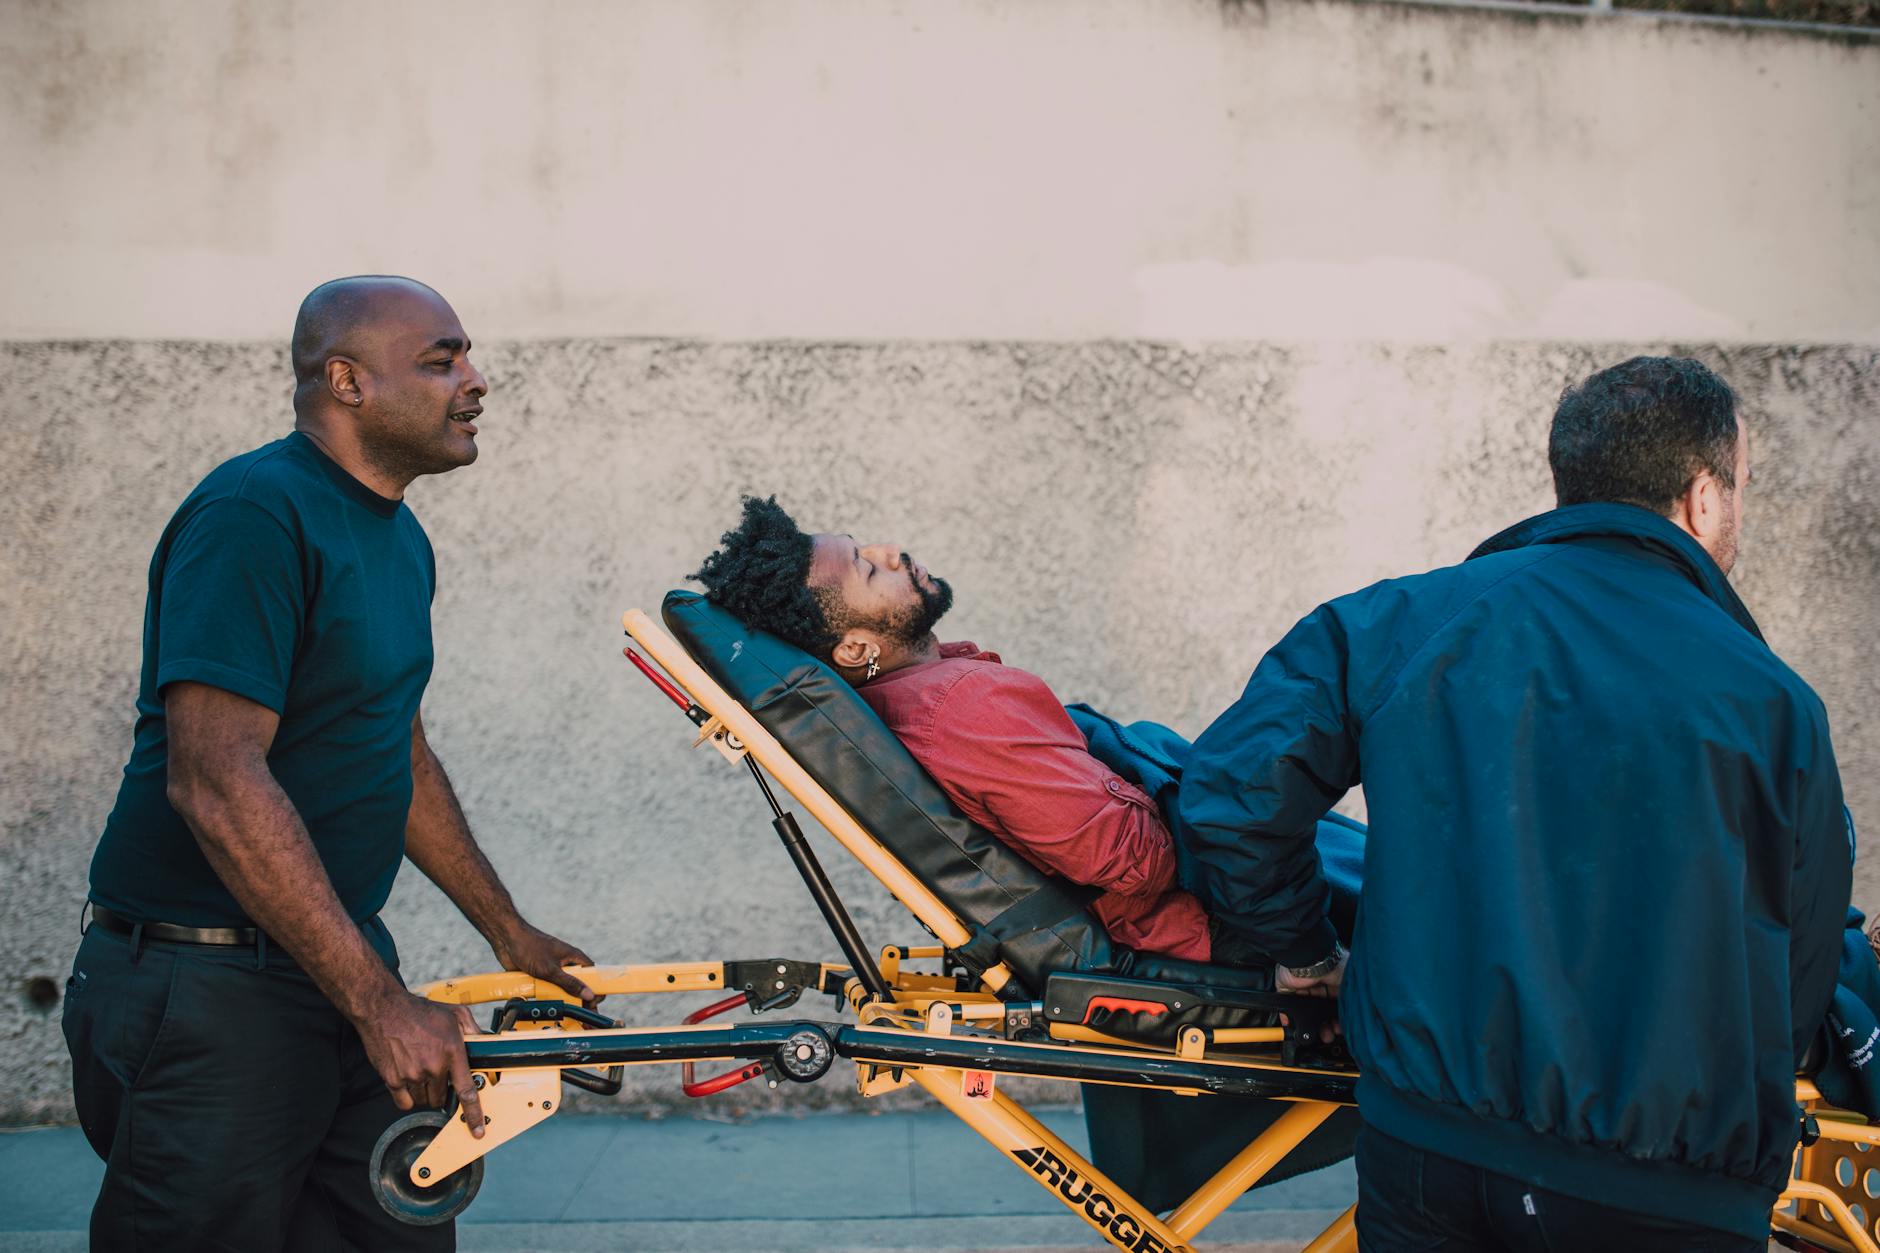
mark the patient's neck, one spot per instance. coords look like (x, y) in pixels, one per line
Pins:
(914, 654)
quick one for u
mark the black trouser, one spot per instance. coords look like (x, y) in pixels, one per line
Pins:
(232, 1104)
(1412, 1201)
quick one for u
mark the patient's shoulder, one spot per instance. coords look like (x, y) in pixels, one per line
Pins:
(966, 648)
(967, 687)
(976, 687)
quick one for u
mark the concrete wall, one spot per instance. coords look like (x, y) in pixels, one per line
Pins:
(1134, 521)
(1019, 207)
(817, 169)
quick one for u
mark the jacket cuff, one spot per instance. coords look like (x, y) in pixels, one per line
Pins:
(1312, 947)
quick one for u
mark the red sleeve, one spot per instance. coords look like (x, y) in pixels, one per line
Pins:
(1010, 757)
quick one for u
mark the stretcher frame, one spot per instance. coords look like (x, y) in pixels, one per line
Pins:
(928, 1029)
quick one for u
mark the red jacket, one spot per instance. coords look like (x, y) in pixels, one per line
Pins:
(1003, 749)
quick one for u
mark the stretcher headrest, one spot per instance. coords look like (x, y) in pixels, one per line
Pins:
(845, 746)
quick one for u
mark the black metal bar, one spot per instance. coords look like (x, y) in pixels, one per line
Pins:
(880, 1047)
(763, 785)
(608, 1084)
(517, 1008)
(748, 1042)
(823, 893)
(833, 911)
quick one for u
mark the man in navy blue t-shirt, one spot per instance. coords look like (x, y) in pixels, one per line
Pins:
(239, 1035)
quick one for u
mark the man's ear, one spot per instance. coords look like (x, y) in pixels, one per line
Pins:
(342, 380)
(853, 650)
(1703, 505)
(1698, 510)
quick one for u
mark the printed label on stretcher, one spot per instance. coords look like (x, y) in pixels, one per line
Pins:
(976, 1085)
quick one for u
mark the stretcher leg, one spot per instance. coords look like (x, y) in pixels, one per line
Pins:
(1247, 1166)
(1112, 1212)
(1340, 1237)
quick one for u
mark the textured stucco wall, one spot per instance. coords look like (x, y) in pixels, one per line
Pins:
(1133, 521)
(836, 169)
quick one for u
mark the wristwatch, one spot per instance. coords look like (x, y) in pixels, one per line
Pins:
(1320, 968)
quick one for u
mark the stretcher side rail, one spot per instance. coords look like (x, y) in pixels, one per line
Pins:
(797, 1042)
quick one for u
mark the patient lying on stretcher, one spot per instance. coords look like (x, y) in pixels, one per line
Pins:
(994, 737)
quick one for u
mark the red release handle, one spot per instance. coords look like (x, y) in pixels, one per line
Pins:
(688, 1082)
(664, 684)
(1123, 1004)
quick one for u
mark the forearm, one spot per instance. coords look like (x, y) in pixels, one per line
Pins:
(1260, 877)
(255, 841)
(439, 843)
(1005, 751)
(1258, 780)
(1818, 909)
(1124, 849)
(1292, 925)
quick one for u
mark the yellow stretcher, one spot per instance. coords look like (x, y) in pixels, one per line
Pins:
(955, 1035)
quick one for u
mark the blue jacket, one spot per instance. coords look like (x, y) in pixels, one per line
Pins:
(1607, 866)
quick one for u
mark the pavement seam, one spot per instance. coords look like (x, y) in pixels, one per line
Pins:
(588, 1174)
(913, 1175)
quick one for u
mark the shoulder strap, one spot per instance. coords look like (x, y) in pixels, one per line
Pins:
(1057, 900)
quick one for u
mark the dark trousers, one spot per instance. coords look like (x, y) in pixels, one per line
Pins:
(233, 1106)
(1411, 1201)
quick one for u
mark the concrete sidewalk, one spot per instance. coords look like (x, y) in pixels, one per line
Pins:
(918, 1180)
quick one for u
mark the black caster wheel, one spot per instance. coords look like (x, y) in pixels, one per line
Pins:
(408, 1202)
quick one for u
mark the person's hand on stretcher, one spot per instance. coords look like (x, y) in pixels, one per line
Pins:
(1322, 985)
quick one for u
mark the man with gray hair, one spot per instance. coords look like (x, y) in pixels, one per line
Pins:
(239, 1034)
(1608, 859)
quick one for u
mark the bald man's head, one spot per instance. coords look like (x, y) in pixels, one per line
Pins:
(338, 317)
(382, 364)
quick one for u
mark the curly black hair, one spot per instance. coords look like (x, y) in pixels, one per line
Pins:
(761, 573)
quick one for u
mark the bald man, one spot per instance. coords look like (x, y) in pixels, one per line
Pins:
(239, 1034)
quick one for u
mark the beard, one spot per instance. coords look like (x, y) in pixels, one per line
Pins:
(910, 624)
(413, 440)
(1728, 538)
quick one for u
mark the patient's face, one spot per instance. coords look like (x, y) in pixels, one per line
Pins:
(879, 587)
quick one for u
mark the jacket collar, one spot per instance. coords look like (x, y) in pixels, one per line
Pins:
(1644, 528)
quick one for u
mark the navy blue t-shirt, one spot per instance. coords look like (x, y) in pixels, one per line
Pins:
(285, 580)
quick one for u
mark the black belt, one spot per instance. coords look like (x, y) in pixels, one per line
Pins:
(228, 937)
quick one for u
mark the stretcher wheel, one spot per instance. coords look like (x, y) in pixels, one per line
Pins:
(421, 1206)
